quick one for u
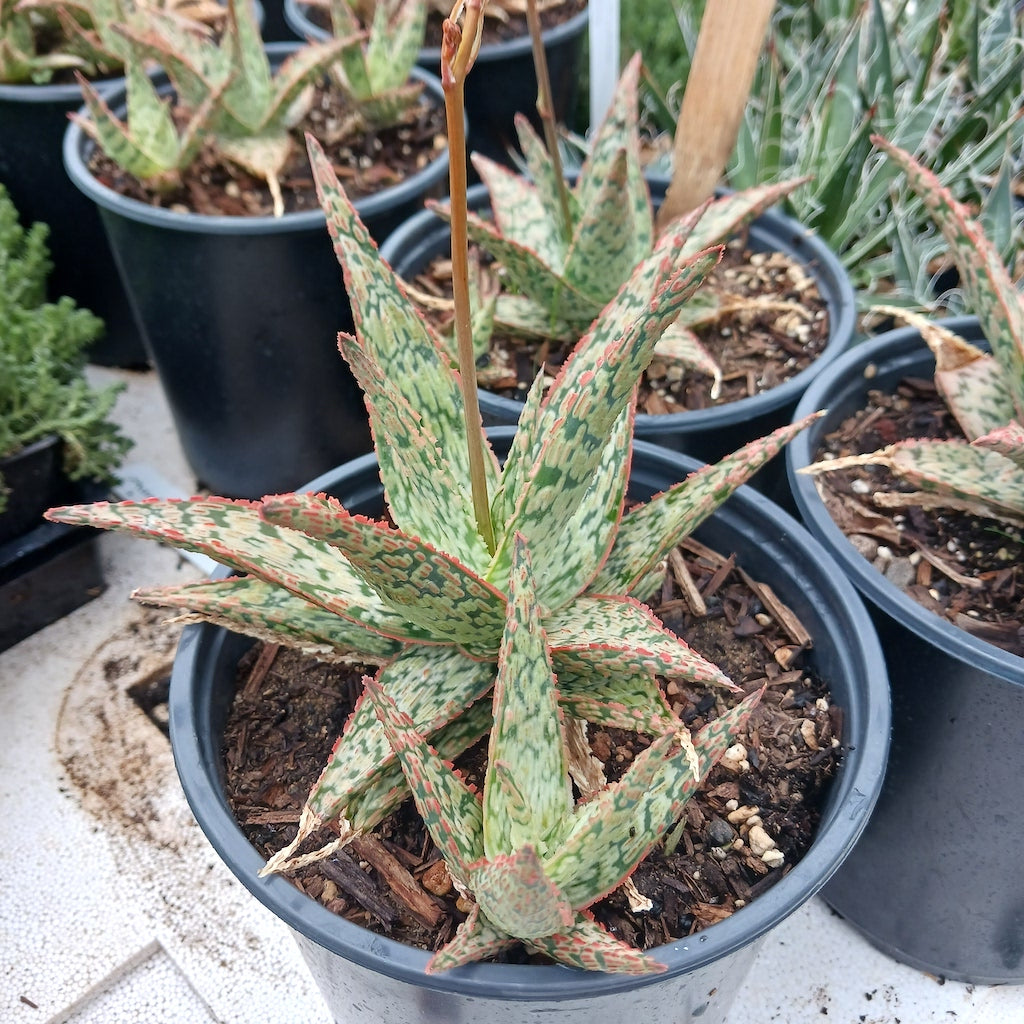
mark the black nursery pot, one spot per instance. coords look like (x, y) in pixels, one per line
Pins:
(935, 880)
(706, 434)
(33, 119)
(504, 82)
(240, 316)
(384, 980)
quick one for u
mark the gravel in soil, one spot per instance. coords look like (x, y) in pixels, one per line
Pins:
(752, 821)
(966, 568)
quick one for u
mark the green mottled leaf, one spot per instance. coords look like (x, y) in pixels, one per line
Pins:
(606, 695)
(476, 939)
(516, 896)
(526, 788)
(430, 588)
(648, 532)
(589, 946)
(267, 612)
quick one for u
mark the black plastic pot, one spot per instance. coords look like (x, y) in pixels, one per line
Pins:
(240, 316)
(706, 434)
(33, 119)
(936, 880)
(33, 479)
(378, 979)
(503, 81)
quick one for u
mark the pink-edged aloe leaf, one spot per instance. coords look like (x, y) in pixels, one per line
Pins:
(989, 290)
(569, 438)
(589, 946)
(613, 698)
(396, 37)
(429, 587)
(614, 830)
(440, 692)
(450, 810)
(517, 897)
(619, 132)
(1007, 440)
(235, 534)
(544, 176)
(526, 787)
(475, 939)
(410, 462)
(532, 275)
(268, 612)
(682, 346)
(395, 337)
(963, 475)
(729, 214)
(648, 532)
(606, 226)
(520, 213)
(523, 316)
(619, 632)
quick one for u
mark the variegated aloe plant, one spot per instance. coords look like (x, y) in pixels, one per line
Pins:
(984, 392)
(227, 95)
(566, 253)
(512, 615)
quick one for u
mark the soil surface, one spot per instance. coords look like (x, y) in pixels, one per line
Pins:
(365, 163)
(753, 819)
(966, 568)
(770, 323)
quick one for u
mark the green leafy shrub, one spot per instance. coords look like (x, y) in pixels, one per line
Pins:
(42, 357)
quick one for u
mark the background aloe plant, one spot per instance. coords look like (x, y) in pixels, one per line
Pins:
(985, 392)
(523, 626)
(941, 79)
(227, 95)
(565, 253)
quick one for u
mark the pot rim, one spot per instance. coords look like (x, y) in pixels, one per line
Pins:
(430, 56)
(77, 145)
(894, 347)
(853, 795)
(807, 247)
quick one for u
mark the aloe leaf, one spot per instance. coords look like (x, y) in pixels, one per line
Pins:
(593, 388)
(475, 939)
(394, 43)
(589, 946)
(526, 787)
(515, 894)
(365, 791)
(267, 612)
(544, 176)
(620, 632)
(620, 127)
(234, 534)
(962, 475)
(520, 212)
(393, 334)
(526, 317)
(250, 91)
(990, 292)
(729, 214)
(529, 273)
(430, 588)
(607, 226)
(608, 696)
(263, 155)
(1008, 441)
(625, 819)
(410, 462)
(647, 533)
(450, 810)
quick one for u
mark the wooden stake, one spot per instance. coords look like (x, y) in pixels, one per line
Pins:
(728, 46)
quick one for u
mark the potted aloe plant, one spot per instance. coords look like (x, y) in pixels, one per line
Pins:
(957, 681)
(483, 621)
(57, 440)
(564, 252)
(42, 43)
(505, 66)
(220, 242)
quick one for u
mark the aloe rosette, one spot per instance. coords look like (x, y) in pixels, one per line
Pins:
(563, 262)
(526, 637)
(983, 474)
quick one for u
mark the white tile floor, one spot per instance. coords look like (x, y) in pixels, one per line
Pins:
(101, 861)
